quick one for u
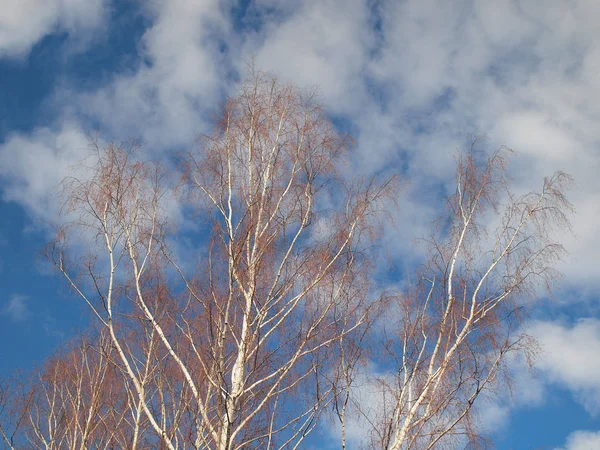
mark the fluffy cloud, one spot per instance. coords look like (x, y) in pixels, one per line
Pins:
(582, 440)
(16, 309)
(24, 22)
(571, 358)
(164, 102)
(32, 167)
(182, 74)
(371, 391)
(411, 80)
(324, 44)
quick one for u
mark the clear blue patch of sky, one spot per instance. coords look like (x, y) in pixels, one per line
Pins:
(566, 305)
(52, 313)
(25, 85)
(245, 17)
(115, 52)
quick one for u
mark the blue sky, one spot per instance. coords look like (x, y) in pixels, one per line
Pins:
(411, 79)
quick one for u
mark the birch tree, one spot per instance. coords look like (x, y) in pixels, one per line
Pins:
(259, 329)
(246, 335)
(459, 318)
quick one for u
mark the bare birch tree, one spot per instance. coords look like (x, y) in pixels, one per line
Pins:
(73, 400)
(247, 343)
(279, 262)
(245, 338)
(15, 399)
(458, 322)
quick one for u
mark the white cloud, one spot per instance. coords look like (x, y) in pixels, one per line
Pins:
(412, 79)
(324, 44)
(415, 78)
(371, 391)
(32, 167)
(24, 22)
(571, 358)
(582, 440)
(166, 102)
(535, 131)
(492, 416)
(16, 309)
(168, 99)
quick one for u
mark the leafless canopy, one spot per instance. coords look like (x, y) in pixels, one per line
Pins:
(261, 329)
(457, 321)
